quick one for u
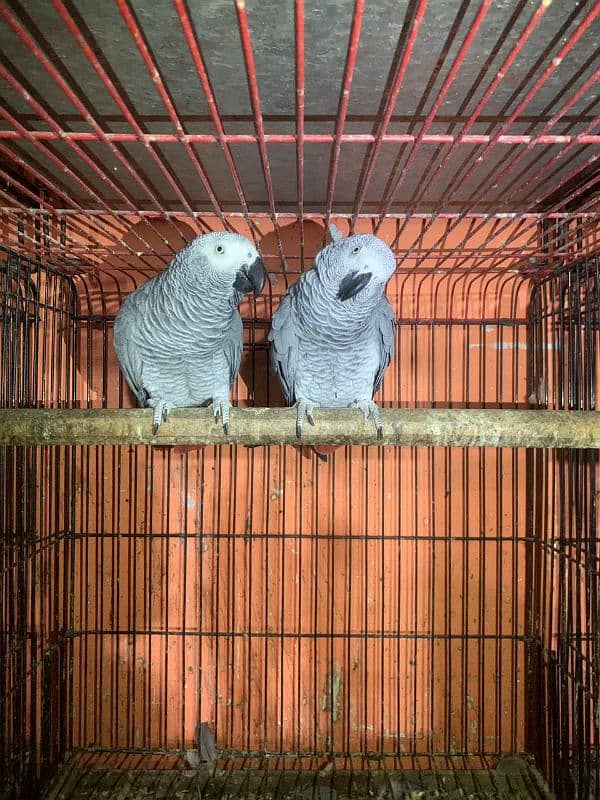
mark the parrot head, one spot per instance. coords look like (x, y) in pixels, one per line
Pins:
(227, 259)
(359, 264)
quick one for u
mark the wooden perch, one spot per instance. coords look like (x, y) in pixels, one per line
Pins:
(264, 426)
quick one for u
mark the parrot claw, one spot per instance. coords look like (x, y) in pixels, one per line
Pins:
(304, 407)
(162, 409)
(220, 408)
(371, 410)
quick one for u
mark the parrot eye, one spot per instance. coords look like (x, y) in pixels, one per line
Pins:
(356, 249)
(219, 248)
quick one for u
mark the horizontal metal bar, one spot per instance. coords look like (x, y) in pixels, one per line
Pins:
(319, 537)
(269, 757)
(310, 634)
(277, 426)
(309, 138)
(534, 216)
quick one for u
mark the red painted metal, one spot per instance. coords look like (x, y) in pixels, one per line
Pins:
(137, 135)
(568, 145)
(112, 210)
(74, 99)
(104, 227)
(538, 199)
(359, 7)
(554, 64)
(390, 105)
(534, 21)
(310, 138)
(536, 216)
(522, 105)
(246, 41)
(138, 37)
(54, 158)
(549, 214)
(221, 138)
(300, 136)
(460, 57)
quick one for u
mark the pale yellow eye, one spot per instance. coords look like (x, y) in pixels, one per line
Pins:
(220, 249)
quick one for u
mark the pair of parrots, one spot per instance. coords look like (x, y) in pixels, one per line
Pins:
(178, 337)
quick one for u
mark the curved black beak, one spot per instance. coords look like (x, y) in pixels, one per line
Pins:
(352, 283)
(251, 278)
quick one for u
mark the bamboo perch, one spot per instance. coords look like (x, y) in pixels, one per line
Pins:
(265, 426)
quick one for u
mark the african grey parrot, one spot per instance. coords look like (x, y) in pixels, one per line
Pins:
(178, 337)
(332, 337)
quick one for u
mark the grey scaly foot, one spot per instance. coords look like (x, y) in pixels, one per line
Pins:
(304, 407)
(220, 408)
(371, 410)
(162, 409)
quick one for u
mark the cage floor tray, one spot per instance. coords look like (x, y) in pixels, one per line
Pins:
(84, 781)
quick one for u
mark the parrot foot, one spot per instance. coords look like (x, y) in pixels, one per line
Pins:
(220, 408)
(371, 410)
(162, 409)
(304, 407)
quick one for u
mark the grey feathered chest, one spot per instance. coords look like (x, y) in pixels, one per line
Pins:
(337, 366)
(175, 345)
(326, 352)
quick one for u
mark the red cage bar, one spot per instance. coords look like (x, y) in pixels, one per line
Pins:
(242, 17)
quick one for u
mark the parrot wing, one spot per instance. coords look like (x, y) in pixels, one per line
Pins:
(233, 345)
(129, 359)
(385, 324)
(284, 336)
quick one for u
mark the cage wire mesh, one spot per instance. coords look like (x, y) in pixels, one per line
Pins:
(390, 621)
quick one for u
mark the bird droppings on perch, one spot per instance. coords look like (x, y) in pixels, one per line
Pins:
(273, 426)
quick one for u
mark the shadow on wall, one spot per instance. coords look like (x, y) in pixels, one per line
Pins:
(146, 248)
(262, 388)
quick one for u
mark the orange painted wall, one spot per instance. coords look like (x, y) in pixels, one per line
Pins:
(375, 602)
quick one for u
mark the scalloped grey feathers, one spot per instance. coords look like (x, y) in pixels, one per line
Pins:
(332, 337)
(178, 337)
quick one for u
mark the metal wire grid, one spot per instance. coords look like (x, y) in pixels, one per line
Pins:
(94, 528)
(37, 358)
(253, 590)
(65, 205)
(565, 567)
(520, 142)
(122, 521)
(87, 775)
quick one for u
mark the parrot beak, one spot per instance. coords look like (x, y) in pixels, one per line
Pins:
(352, 283)
(251, 278)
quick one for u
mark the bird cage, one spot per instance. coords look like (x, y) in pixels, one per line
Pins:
(198, 615)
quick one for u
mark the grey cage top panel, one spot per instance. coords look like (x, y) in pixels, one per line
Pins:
(88, 67)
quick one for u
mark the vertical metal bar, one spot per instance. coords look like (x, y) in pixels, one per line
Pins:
(460, 57)
(138, 37)
(246, 42)
(32, 46)
(567, 47)
(299, 42)
(415, 24)
(200, 65)
(357, 15)
(534, 21)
